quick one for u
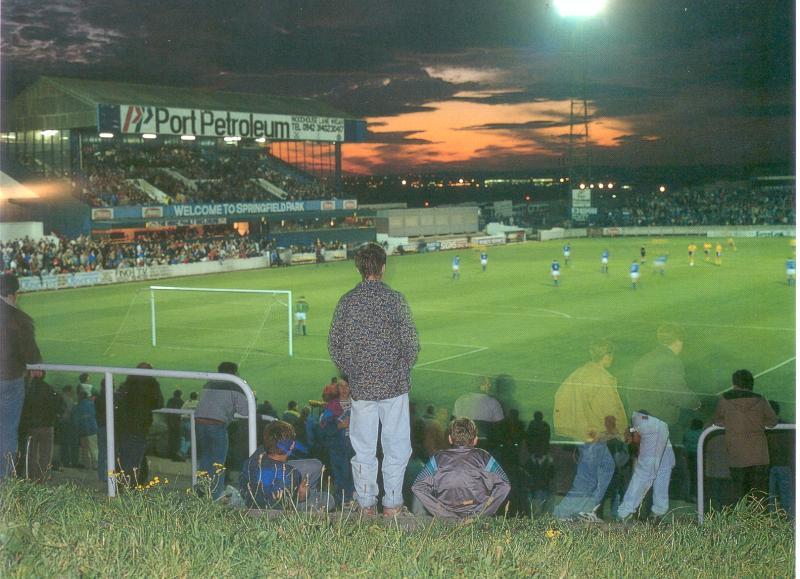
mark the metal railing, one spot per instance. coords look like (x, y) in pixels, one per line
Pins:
(700, 454)
(109, 372)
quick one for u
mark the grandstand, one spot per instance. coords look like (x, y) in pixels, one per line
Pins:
(128, 157)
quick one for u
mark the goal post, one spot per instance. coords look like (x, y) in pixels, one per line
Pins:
(156, 288)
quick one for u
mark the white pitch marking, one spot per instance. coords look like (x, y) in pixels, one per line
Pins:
(768, 370)
(475, 351)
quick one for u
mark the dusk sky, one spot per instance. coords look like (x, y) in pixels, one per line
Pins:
(453, 85)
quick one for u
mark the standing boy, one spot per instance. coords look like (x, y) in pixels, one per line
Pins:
(373, 341)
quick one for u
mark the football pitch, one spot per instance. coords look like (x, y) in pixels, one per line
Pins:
(510, 320)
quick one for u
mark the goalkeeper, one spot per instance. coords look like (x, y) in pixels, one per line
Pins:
(301, 315)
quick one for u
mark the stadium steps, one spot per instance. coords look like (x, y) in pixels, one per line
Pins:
(151, 191)
(271, 188)
(190, 183)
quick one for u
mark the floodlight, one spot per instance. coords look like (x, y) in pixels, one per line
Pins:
(188, 137)
(49, 133)
(149, 136)
(662, 188)
(579, 8)
(610, 185)
(231, 139)
(261, 140)
(583, 185)
(600, 185)
(106, 135)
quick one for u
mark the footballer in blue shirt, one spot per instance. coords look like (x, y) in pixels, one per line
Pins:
(484, 260)
(555, 268)
(660, 263)
(604, 261)
(791, 271)
(634, 274)
(456, 267)
(567, 251)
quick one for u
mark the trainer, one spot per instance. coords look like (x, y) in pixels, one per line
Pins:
(373, 341)
(17, 348)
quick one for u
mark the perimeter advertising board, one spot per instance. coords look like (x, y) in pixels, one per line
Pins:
(138, 119)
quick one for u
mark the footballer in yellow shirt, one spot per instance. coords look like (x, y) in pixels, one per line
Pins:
(692, 249)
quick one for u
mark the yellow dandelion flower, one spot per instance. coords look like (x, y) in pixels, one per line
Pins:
(552, 533)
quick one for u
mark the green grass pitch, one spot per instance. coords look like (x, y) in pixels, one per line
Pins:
(510, 320)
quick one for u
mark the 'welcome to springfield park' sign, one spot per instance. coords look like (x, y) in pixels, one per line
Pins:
(136, 119)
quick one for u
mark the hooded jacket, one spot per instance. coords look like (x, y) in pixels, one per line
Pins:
(744, 415)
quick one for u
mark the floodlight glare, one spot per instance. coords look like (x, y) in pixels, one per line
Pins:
(49, 133)
(188, 137)
(149, 136)
(106, 135)
(579, 8)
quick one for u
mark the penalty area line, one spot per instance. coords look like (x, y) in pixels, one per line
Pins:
(453, 357)
(767, 371)
(775, 367)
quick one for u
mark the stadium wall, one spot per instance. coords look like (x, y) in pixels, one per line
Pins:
(697, 230)
(109, 276)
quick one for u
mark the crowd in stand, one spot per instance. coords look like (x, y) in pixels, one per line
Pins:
(54, 255)
(185, 175)
(710, 206)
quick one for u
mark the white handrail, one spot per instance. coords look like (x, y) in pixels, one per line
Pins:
(110, 371)
(700, 481)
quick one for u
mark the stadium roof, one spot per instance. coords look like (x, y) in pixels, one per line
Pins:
(67, 103)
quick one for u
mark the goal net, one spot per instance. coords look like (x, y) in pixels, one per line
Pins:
(253, 321)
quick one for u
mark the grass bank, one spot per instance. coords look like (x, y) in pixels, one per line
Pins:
(70, 531)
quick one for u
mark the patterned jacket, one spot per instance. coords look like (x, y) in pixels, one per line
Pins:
(373, 341)
(461, 482)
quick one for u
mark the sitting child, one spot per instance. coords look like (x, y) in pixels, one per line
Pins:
(271, 481)
(462, 481)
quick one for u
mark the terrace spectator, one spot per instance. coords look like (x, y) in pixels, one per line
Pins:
(174, 430)
(744, 415)
(781, 466)
(659, 381)
(690, 440)
(190, 404)
(480, 407)
(292, 416)
(717, 473)
(271, 481)
(66, 435)
(374, 342)
(537, 437)
(333, 425)
(463, 481)
(17, 348)
(83, 382)
(40, 412)
(653, 468)
(138, 397)
(219, 403)
(583, 404)
(85, 423)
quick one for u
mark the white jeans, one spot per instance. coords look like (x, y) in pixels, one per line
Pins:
(653, 467)
(392, 415)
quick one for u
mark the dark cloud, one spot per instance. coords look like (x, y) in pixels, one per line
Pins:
(527, 126)
(697, 75)
(397, 138)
